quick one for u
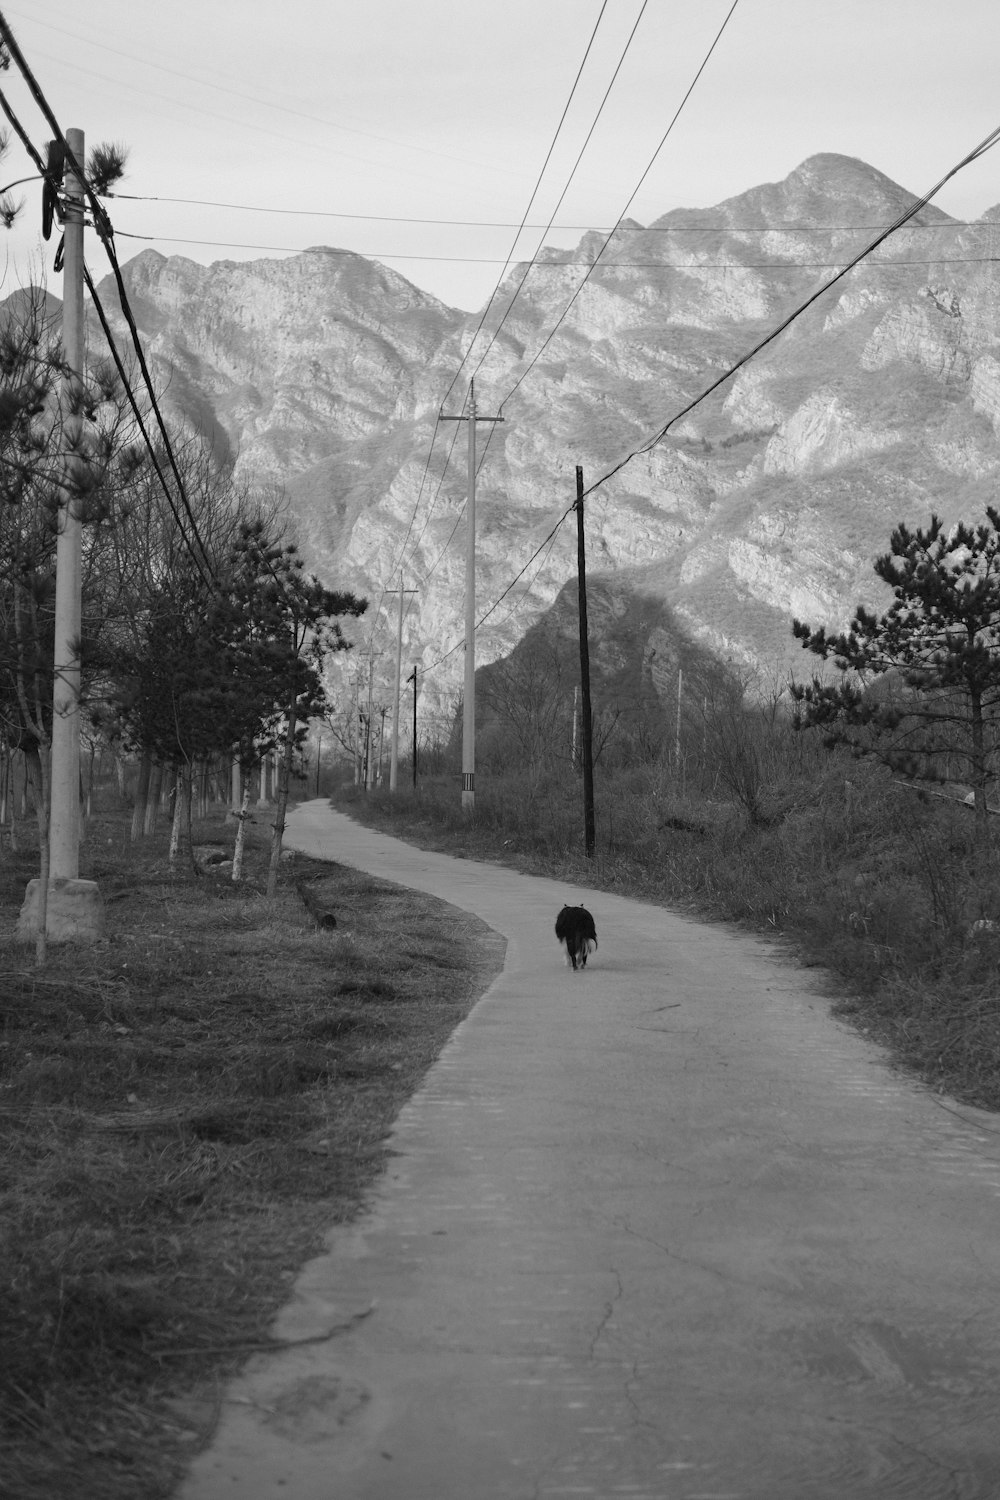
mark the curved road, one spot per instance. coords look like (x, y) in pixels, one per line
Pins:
(661, 1230)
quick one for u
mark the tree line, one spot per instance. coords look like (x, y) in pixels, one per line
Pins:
(203, 637)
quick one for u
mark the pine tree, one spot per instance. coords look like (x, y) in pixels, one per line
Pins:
(919, 685)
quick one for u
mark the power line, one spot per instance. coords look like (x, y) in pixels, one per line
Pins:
(631, 199)
(547, 264)
(524, 220)
(566, 187)
(985, 145)
(513, 583)
(620, 228)
(534, 194)
(104, 231)
(198, 557)
(645, 173)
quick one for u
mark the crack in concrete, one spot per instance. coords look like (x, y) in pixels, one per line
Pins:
(697, 1265)
(608, 1313)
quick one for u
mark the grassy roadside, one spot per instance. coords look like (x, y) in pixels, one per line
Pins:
(185, 1107)
(859, 876)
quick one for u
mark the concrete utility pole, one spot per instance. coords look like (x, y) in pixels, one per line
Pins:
(369, 737)
(394, 758)
(587, 726)
(74, 908)
(469, 692)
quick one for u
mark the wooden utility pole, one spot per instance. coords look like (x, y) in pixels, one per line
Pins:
(576, 715)
(394, 758)
(469, 691)
(413, 678)
(586, 737)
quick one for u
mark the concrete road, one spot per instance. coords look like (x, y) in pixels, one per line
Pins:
(661, 1230)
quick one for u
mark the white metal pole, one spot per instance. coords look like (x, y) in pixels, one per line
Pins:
(469, 691)
(394, 758)
(64, 831)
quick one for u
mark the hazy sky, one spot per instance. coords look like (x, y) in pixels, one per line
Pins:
(350, 118)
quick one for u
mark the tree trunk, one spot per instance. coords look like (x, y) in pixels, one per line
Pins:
(241, 832)
(12, 802)
(6, 789)
(188, 786)
(88, 806)
(141, 793)
(178, 819)
(280, 807)
(37, 769)
(154, 792)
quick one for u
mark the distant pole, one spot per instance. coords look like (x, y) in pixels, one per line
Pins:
(587, 738)
(381, 741)
(469, 690)
(469, 699)
(369, 770)
(677, 732)
(319, 756)
(369, 735)
(394, 757)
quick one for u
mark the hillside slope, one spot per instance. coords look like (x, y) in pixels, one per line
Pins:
(327, 372)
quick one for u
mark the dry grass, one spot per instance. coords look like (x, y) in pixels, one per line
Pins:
(185, 1107)
(863, 877)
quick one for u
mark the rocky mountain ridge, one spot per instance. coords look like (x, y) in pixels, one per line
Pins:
(327, 373)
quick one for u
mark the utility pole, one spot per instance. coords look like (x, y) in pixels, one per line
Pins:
(369, 760)
(413, 678)
(575, 757)
(394, 758)
(587, 738)
(73, 907)
(469, 693)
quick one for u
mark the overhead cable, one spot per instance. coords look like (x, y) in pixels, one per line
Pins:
(630, 228)
(631, 199)
(537, 264)
(102, 226)
(534, 193)
(559, 202)
(985, 145)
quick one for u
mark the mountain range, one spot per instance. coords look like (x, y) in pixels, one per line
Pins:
(327, 374)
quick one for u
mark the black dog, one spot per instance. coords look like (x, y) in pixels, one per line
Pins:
(575, 927)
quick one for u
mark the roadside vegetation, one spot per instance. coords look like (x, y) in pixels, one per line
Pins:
(185, 1108)
(832, 837)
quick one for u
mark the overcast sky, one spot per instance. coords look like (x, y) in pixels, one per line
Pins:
(353, 117)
